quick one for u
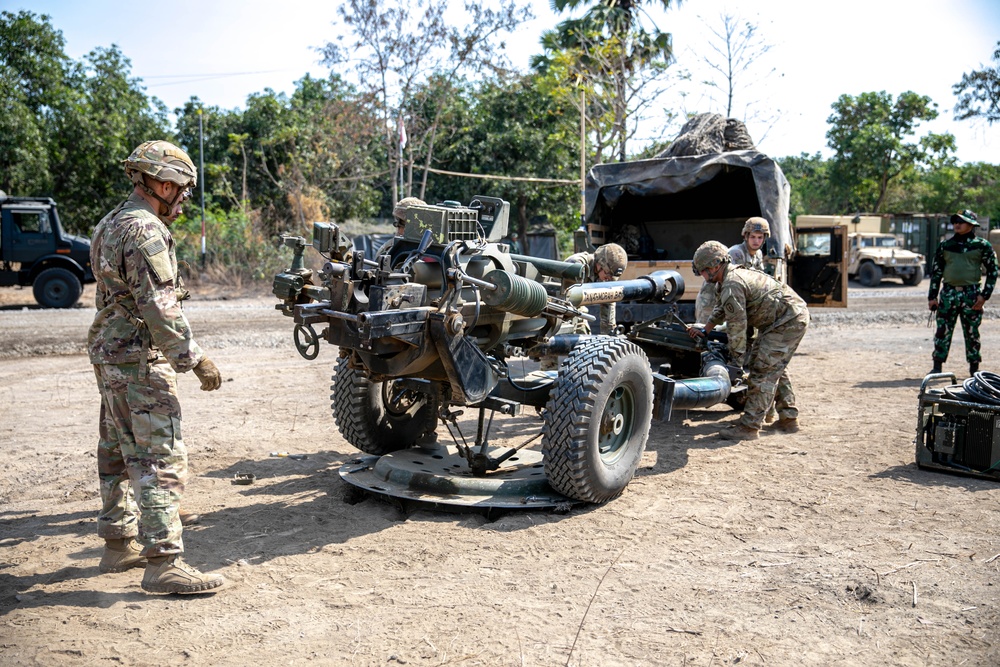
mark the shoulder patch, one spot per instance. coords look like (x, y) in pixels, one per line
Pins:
(155, 252)
(730, 308)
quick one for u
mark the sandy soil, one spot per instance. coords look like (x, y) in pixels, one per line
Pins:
(827, 547)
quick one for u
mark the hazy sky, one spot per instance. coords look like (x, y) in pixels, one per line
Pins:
(224, 50)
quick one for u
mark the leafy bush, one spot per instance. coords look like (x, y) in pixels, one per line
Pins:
(239, 254)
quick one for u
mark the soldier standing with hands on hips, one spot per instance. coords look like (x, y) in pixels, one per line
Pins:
(139, 341)
(958, 267)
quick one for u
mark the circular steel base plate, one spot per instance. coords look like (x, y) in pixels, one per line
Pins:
(441, 476)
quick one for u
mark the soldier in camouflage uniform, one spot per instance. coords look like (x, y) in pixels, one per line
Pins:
(750, 298)
(748, 254)
(606, 264)
(139, 341)
(959, 264)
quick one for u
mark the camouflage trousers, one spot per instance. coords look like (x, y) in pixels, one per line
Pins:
(141, 459)
(768, 382)
(954, 304)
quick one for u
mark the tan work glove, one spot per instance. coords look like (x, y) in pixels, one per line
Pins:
(208, 373)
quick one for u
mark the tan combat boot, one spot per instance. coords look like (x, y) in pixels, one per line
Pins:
(189, 518)
(120, 555)
(738, 432)
(170, 574)
(788, 425)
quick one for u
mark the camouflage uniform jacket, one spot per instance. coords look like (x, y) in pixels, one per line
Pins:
(753, 299)
(960, 262)
(741, 255)
(607, 310)
(138, 312)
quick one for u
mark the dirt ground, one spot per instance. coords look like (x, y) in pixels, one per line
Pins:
(827, 547)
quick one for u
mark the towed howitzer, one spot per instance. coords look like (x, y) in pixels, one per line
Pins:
(430, 323)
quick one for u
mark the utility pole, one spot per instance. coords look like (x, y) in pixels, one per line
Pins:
(201, 170)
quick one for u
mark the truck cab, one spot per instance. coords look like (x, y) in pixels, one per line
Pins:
(36, 252)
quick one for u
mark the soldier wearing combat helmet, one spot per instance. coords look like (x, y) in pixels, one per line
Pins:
(749, 253)
(139, 341)
(748, 299)
(606, 264)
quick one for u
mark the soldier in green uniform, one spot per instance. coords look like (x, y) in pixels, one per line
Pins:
(957, 271)
(139, 341)
(747, 299)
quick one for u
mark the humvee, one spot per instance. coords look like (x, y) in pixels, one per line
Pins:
(873, 257)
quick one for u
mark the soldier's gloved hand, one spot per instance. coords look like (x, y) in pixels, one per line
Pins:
(208, 373)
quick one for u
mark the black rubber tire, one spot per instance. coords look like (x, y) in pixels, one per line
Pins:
(737, 400)
(604, 382)
(373, 423)
(913, 280)
(870, 274)
(57, 288)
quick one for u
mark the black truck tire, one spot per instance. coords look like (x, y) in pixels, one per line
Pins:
(375, 418)
(915, 277)
(597, 419)
(57, 288)
(870, 274)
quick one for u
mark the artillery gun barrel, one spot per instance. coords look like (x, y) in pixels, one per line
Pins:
(554, 268)
(664, 286)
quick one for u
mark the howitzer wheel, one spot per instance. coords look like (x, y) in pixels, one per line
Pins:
(379, 417)
(597, 419)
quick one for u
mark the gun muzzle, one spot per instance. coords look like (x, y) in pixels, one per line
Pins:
(660, 286)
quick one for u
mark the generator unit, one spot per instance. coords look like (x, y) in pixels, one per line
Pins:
(958, 426)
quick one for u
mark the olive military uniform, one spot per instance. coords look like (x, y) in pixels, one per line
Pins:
(959, 264)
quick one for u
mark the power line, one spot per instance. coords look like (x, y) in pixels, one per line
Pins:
(561, 181)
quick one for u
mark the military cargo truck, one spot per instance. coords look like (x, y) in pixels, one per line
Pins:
(36, 252)
(661, 209)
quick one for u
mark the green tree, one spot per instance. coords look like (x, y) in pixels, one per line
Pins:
(808, 176)
(510, 126)
(979, 93)
(611, 56)
(67, 125)
(33, 73)
(393, 46)
(869, 136)
(108, 117)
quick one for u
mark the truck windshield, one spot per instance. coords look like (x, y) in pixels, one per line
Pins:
(880, 242)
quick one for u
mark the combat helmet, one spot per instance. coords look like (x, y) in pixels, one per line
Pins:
(163, 161)
(399, 210)
(966, 216)
(758, 225)
(709, 254)
(612, 257)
